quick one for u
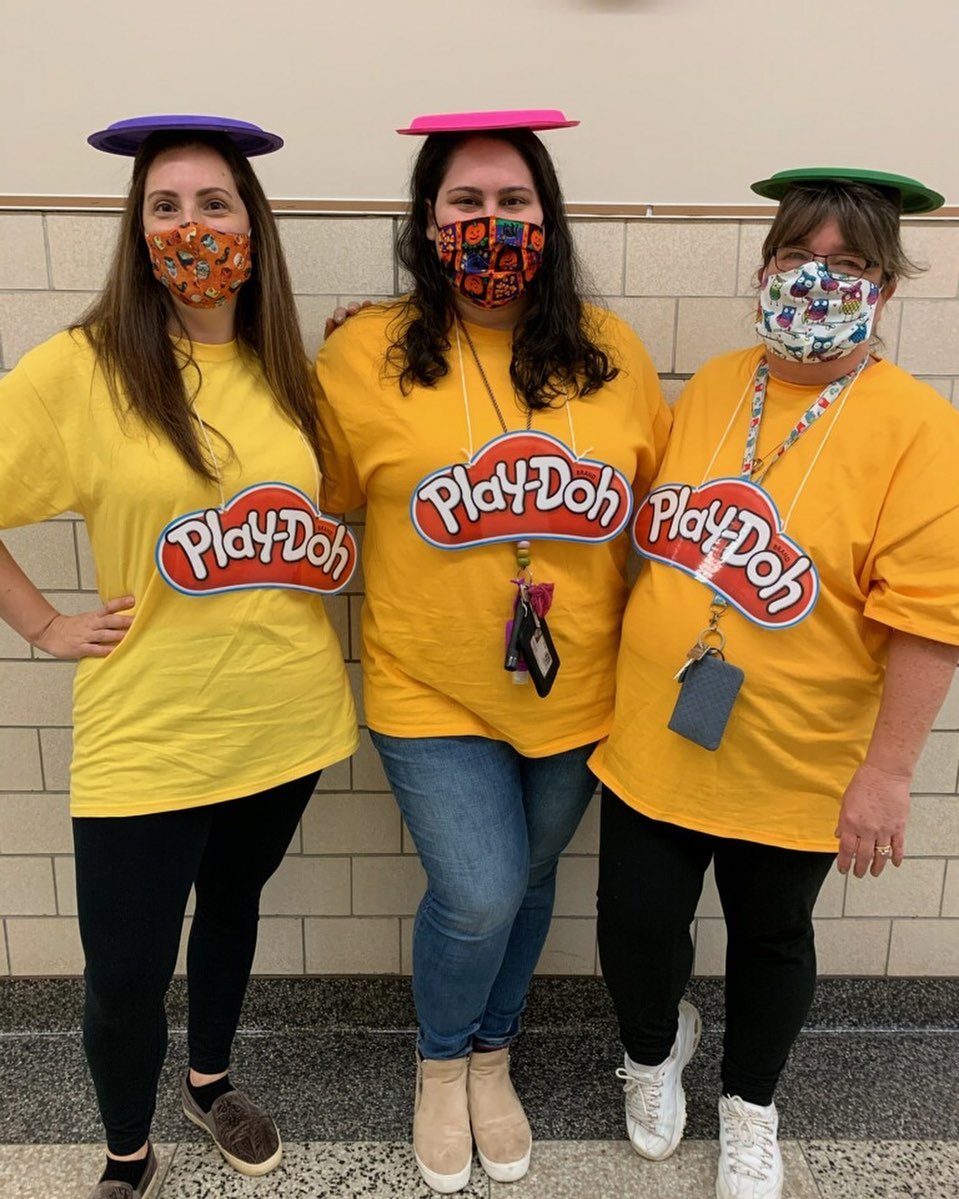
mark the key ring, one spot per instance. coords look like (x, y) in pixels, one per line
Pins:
(717, 609)
(712, 631)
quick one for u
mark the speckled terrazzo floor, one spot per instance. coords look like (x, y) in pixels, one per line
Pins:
(869, 1102)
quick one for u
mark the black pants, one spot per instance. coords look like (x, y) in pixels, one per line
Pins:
(134, 875)
(650, 880)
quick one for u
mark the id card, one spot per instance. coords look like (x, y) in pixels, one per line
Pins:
(705, 702)
(539, 652)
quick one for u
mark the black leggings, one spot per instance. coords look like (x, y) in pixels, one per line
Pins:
(134, 875)
(650, 880)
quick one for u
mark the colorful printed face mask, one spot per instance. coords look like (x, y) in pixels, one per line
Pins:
(201, 266)
(811, 316)
(490, 260)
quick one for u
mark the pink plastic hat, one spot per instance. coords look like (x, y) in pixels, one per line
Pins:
(478, 122)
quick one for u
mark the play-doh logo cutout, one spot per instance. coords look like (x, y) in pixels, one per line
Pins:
(728, 534)
(270, 535)
(521, 485)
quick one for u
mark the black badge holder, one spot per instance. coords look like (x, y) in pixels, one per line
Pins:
(531, 636)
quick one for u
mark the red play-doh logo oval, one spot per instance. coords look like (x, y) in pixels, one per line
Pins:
(270, 535)
(521, 485)
(728, 534)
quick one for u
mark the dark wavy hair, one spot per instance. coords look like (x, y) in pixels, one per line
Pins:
(553, 351)
(129, 324)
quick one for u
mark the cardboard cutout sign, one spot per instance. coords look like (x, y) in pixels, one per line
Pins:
(270, 535)
(521, 485)
(728, 534)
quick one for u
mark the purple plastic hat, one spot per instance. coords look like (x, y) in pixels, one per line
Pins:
(478, 122)
(126, 137)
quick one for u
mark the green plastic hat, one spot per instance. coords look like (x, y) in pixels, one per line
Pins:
(914, 196)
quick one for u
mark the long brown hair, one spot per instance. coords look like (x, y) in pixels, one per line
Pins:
(128, 325)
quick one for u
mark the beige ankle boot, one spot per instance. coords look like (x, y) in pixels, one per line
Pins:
(442, 1142)
(500, 1128)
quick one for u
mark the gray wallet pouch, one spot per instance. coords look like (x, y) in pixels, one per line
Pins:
(706, 697)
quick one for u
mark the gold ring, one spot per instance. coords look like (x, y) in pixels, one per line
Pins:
(884, 851)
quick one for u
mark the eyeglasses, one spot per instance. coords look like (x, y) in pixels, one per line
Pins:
(843, 265)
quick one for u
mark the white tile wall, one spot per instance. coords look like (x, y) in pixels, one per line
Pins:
(343, 900)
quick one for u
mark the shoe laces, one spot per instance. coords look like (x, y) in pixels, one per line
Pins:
(644, 1095)
(750, 1139)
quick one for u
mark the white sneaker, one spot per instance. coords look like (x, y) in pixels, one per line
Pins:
(655, 1100)
(750, 1164)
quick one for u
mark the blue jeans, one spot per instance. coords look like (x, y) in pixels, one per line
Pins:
(489, 826)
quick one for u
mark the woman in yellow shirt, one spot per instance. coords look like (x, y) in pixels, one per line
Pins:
(804, 522)
(494, 425)
(178, 419)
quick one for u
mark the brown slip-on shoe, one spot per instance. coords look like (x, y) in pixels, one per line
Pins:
(122, 1190)
(243, 1132)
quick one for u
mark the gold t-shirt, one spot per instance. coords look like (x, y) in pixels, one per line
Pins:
(438, 596)
(870, 493)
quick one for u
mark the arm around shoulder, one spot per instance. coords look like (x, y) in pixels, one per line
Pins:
(350, 387)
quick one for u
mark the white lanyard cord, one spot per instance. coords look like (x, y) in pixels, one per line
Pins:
(468, 453)
(819, 449)
(216, 463)
(317, 477)
(722, 441)
(209, 447)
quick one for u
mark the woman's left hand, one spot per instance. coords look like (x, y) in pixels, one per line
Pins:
(873, 815)
(342, 315)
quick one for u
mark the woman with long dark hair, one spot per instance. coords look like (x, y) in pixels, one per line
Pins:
(177, 417)
(494, 424)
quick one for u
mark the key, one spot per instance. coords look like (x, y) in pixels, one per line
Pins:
(697, 652)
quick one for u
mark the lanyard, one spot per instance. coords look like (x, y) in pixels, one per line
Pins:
(829, 394)
(751, 464)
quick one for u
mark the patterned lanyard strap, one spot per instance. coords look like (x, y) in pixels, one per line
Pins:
(757, 469)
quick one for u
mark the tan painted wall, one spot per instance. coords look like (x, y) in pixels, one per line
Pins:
(343, 900)
(681, 100)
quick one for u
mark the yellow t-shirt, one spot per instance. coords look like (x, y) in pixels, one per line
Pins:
(209, 696)
(877, 513)
(434, 619)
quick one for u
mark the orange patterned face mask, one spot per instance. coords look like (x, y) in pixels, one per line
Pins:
(489, 259)
(201, 266)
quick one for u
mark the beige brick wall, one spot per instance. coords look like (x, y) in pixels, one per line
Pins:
(343, 900)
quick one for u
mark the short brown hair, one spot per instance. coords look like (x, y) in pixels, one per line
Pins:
(867, 215)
